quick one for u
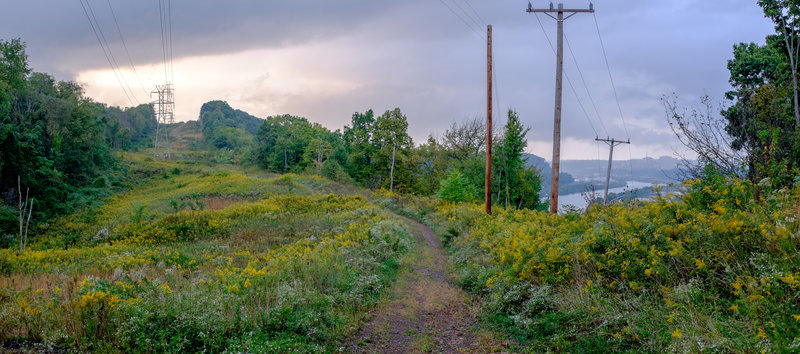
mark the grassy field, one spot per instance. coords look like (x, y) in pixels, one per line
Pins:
(203, 257)
(197, 257)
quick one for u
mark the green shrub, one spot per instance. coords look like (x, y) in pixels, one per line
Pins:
(456, 189)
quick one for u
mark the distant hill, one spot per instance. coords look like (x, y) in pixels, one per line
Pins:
(576, 175)
(226, 128)
(218, 114)
(663, 170)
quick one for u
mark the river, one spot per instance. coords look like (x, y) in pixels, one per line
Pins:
(576, 199)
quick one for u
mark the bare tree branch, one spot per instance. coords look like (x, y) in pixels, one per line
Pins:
(703, 132)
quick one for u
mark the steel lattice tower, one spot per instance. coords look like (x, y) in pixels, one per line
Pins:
(164, 108)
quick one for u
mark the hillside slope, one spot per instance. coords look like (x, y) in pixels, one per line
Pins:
(202, 258)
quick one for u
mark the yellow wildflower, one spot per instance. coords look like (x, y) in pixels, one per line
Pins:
(699, 263)
(761, 334)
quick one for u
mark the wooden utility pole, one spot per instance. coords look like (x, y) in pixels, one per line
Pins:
(488, 187)
(559, 73)
(611, 142)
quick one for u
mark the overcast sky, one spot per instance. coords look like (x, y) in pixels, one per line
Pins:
(324, 60)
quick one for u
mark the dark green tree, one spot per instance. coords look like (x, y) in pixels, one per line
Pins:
(360, 148)
(519, 185)
(291, 144)
(760, 118)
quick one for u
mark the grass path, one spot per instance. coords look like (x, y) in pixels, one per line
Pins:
(426, 312)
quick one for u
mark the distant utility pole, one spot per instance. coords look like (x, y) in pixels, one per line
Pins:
(488, 188)
(163, 107)
(559, 71)
(612, 142)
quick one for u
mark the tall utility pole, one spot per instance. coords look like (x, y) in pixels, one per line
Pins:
(488, 187)
(163, 107)
(559, 73)
(611, 142)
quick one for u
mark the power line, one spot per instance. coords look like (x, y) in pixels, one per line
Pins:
(608, 67)
(475, 12)
(110, 52)
(125, 46)
(477, 33)
(497, 93)
(106, 54)
(586, 87)
(616, 97)
(572, 87)
(163, 37)
(171, 65)
(477, 24)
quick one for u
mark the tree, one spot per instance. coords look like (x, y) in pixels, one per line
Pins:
(13, 64)
(393, 144)
(51, 137)
(360, 149)
(512, 166)
(291, 144)
(760, 118)
(464, 139)
(432, 159)
(786, 16)
(706, 134)
(282, 141)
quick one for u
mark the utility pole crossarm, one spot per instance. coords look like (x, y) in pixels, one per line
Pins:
(559, 10)
(613, 141)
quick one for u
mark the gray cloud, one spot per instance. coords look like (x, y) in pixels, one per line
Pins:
(419, 56)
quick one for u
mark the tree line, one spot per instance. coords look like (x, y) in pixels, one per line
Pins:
(376, 151)
(55, 143)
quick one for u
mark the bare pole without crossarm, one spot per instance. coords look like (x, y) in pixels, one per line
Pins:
(559, 74)
(488, 187)
(611, 143)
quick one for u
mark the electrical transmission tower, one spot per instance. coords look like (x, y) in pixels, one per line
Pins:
(164, 108)
(559, 71)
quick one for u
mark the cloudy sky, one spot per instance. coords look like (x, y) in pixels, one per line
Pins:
(324, 60)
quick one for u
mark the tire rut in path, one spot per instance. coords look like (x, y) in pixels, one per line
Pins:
(427, 312)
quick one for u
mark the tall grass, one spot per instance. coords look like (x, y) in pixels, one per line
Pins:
(715, 269)
(283, 266)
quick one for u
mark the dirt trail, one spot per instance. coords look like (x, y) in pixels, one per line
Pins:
(426, 313)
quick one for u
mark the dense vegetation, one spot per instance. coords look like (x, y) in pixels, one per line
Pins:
(377, 152)
(227, 131)
(56, 142)
(203, 259)
(712, 270)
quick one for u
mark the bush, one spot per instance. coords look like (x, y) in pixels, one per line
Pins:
(456, 189)
(333, 171)
(712, 269)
